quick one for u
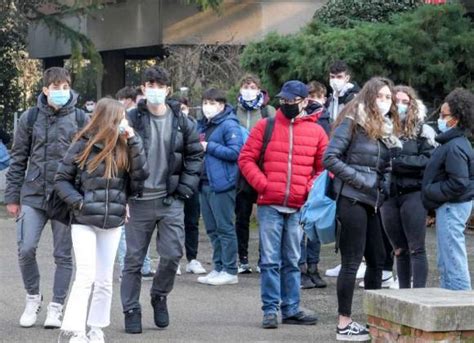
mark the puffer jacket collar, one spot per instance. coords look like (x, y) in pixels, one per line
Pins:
(445, 137)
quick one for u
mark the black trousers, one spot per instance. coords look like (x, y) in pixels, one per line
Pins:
(243, 210)
(361, 236)
(404, 220)
(192, 212)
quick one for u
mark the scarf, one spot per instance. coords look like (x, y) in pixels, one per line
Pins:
(254, 104)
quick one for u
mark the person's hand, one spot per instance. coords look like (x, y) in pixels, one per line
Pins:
(14, 209)
(127, 129)
(127, 214)
(204, 145)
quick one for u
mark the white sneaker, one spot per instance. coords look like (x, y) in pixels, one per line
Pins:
(79, 337)
(195, 267)
(333, 272)
(96, 335)
(361, 271)
(223, 278)
(388, 281)
(258, 270)
(205, 279)
(178, 271)
(54, 316)
(32, 308)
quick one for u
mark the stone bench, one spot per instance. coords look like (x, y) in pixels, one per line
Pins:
(420, 315)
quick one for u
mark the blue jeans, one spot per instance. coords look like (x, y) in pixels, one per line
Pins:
(453, 268)
(218, 215)
(310, 251)
(280, 237)
(122, 250)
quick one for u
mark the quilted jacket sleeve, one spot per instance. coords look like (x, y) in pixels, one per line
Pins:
(65, 179)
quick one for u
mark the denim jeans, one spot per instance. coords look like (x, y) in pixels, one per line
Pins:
(310, 251)
(218, 215)
(122, 250)
(280, 238)
(29, 227)
(404, 221)
(453, 267)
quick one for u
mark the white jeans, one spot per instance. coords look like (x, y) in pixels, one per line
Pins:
(94, 250)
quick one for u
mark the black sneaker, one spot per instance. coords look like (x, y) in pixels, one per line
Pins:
(306, 281)
(133, 321)
(161, 316)
(353, 332)
(318, 280)
(270, 321)
(301, 318)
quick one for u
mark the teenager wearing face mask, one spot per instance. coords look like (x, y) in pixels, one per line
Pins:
(43, 134)
(222, 140)
(174, 156)
(403, 214)
(292, 160)
(343, 88)
(127, 96)
(448, 187)
(358, 155)
(252, 105)
(89, 106)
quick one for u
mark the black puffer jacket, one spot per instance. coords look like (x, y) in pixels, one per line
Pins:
(103, 200)
(408, 167)
(186, 155)
(358, 161)
(38, 154)
(449, 174)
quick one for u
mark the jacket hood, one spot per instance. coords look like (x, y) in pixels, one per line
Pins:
(308, 117)
(42, 103)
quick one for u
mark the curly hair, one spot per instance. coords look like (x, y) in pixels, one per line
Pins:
(409, 128)
(368, 97)
(461, 105)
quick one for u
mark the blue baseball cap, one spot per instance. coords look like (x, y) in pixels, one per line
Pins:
(293, 89)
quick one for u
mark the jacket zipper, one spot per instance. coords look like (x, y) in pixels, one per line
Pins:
(106, 202)
(378, 187)
(290, 158)
(45, 167)
(248, 120)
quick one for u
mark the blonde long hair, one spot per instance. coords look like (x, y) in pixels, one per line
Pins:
(374, 123)
(103, 129)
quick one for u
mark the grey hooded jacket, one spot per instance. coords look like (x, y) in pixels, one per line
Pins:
(35, 157)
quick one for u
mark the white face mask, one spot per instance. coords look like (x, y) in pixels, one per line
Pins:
(90, 108)
(155, 96)
(210, 111)
(249, 94)
(337, 84)
(383, 106)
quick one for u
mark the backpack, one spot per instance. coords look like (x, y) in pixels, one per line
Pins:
(242, 183)
(4, 156)
(56, 208)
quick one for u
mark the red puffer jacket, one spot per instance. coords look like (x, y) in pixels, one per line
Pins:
(292, 160)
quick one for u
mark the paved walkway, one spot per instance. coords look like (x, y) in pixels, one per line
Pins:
(199, 313)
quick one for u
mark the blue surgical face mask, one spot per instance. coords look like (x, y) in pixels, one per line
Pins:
(155, 96)
(443, 125)
(59, 97)
(402, 110)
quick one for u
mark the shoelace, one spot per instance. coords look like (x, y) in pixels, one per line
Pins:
(96, 335)
(355, 328)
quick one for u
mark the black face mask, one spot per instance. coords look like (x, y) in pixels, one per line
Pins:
(290, 111)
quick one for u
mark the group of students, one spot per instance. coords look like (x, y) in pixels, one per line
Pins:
(135, 167)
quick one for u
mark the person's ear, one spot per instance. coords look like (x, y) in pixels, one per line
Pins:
(143, 88)
(46, 91)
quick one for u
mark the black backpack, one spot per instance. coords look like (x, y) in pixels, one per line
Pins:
(242, 183)
(56, 208)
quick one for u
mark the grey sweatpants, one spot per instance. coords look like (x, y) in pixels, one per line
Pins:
(30, 224)
(145, 216)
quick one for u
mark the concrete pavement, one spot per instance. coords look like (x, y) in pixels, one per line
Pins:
(199, 313)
